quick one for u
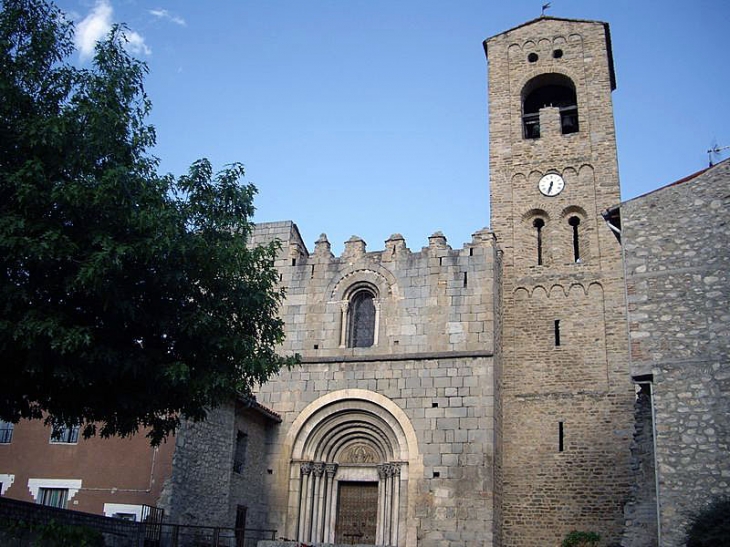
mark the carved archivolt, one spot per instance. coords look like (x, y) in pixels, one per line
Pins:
(350, 440)
(382, 281)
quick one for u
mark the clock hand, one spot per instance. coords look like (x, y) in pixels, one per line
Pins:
(550, 188)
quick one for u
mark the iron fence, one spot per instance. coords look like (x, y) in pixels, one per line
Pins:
(21, 521)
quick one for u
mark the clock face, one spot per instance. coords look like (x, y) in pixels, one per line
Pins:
(551, 184)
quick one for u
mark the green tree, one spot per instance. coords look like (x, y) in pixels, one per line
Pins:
(127, 299)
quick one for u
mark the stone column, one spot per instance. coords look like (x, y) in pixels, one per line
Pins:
(317, 501)
(344, 305)
(389, 504)
(395, 511)
(382, 516)
(376, 303)
(329, 526)
(304, 497)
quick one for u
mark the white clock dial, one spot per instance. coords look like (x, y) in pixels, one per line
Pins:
(551, 184)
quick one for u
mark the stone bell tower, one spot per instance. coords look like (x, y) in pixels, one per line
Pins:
(565, 397)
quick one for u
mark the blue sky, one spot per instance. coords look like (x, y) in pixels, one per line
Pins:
(369, 117)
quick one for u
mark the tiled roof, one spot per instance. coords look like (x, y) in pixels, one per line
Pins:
(249, 401)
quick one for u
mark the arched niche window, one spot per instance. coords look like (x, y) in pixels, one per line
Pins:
(574, 223)
(361, 319)
(538, 224)
(554, 90)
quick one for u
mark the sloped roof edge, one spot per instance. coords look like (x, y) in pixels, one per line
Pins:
(681, 181)
(249, 401)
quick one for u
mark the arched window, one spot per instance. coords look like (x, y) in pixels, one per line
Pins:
(546, 90)
(574, 222)
(361, 320)
(539, 224)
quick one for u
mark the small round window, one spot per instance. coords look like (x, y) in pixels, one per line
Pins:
(532, 57)
(557, 54)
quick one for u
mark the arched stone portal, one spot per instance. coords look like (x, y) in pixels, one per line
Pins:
(349, 470)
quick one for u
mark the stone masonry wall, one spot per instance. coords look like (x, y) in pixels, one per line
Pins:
(250, 485)
(433, 361)
(204, 488)
(676, 242)
(641, 509)
(198, 490)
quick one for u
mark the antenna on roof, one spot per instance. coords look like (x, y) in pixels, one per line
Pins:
(544, 7)
(713, 153)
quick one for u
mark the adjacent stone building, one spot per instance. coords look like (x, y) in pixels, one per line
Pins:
(676, 242)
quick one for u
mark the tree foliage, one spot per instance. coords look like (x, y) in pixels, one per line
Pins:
(127, 299)
(710, 527)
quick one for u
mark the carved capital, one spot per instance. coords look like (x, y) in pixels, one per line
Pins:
(306, 468)
(318, 469)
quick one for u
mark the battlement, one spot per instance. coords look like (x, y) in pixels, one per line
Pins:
(434, 300)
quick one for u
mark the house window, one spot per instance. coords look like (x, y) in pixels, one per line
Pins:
(64, 434)
(124, 511)
(6, 481)
(53, 497)
(548, 90)
(125, 516)
(239, 461)
(6, 432)
(361, 327)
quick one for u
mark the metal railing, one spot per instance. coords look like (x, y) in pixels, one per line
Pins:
(21, 521)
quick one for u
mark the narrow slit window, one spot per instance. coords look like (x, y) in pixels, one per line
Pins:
(465, 279)
(561, 437)
(311, 276)
(574, 223)
(557, 332)
(539, 224)
(239, 461)
(293, 261)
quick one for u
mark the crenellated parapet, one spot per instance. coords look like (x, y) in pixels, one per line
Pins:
(394, 300)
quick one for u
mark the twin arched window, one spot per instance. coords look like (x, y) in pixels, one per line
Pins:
(538, 226)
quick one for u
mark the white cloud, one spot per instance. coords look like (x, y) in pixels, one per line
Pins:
(93, 27)
(135, 43)
(96, 26)
(164, 14)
